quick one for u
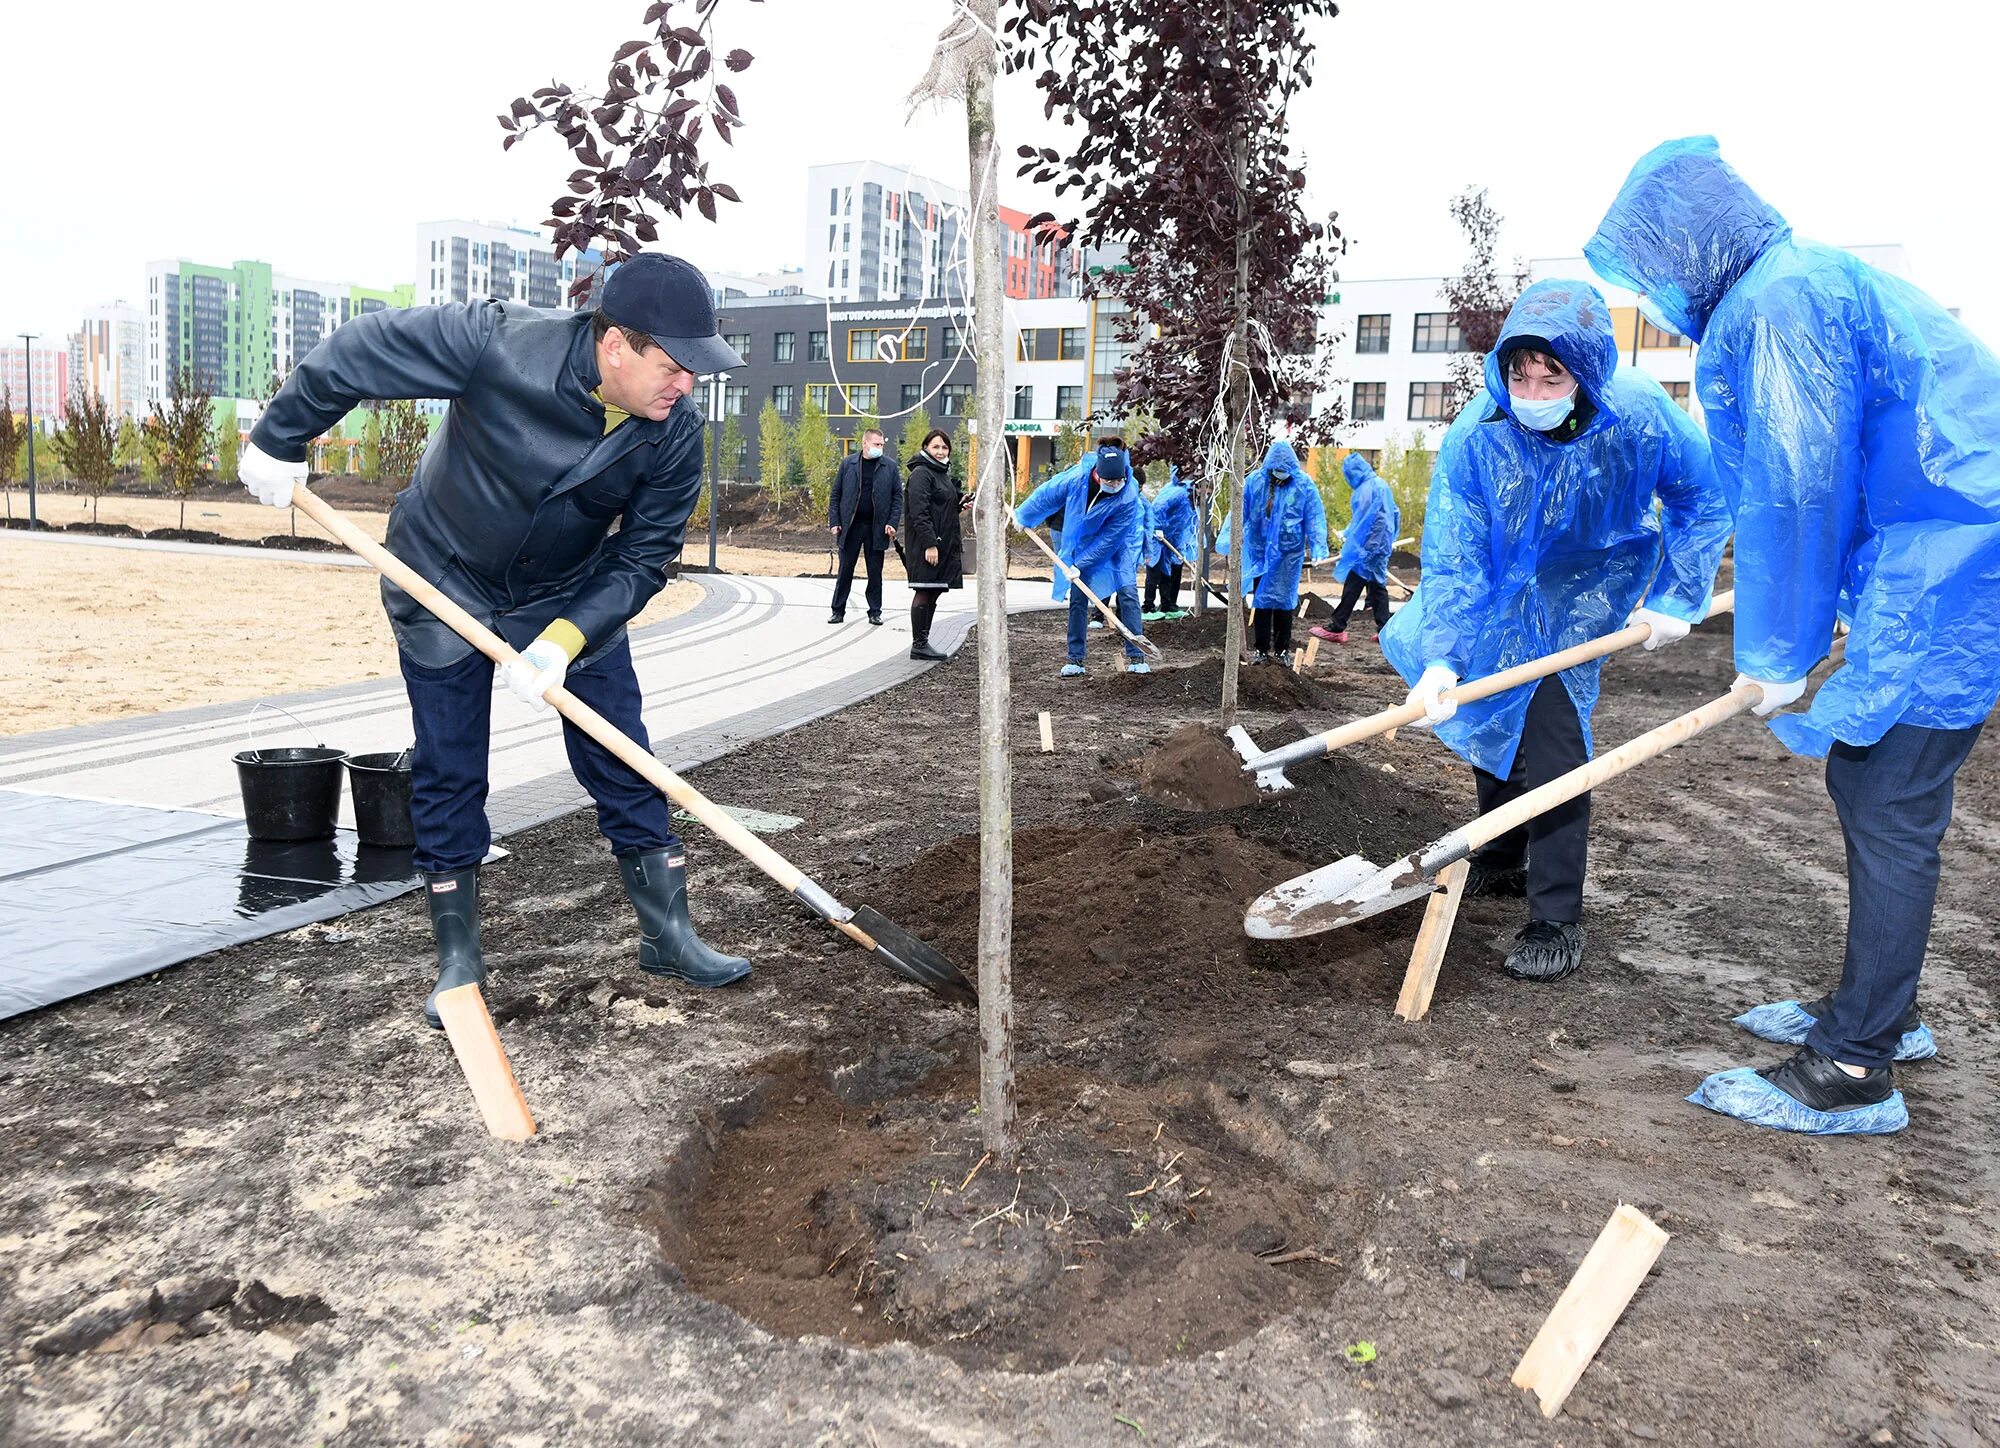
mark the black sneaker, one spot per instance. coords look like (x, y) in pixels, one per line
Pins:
(876, 619)
(1546, 951)
(1817, 1081)
(1509, 882)
(835, 618)
(1821, 1008)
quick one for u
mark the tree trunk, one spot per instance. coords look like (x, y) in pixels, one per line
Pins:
(1238, 407)
(996, 768)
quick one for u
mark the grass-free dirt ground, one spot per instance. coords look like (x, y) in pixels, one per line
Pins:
(256, 1185)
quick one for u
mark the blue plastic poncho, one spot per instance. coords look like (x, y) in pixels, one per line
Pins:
(1172, 513)
(1532, 545)
(1102, 542)
(1284, 525)
(1372, 525)
(1855, 427)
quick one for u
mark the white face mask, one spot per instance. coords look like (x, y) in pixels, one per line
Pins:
(1546, 414)
(871, 453)
(1650, 310)
(1108, 486)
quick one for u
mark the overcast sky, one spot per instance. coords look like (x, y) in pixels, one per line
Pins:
(315, 138)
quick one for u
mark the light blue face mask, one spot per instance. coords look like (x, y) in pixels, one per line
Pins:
(1650, 310)
(1544, 415)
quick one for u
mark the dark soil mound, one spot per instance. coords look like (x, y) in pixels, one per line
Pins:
(1138, 1226)
(189, 535)
(1206, 630)
(301, 542)
(22, 523)
(1198, 769)
(1271, 687)
(105, 530)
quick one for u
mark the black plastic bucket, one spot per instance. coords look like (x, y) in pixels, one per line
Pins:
(381, 785)
(290, 794)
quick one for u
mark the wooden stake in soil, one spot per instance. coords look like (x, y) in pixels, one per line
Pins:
(1312, 650)
(484, 1061)
(1439, 915)
(1048, 734)
(1590, 1307)
(1298, 660)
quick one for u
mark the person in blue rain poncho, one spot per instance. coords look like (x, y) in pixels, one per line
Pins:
(1171, 516)
(1372, 524)
(1856, 427)
(1104, 522)
(1567, 492)
(1284, 528)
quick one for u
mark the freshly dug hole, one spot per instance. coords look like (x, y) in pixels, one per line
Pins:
(1132, 1229)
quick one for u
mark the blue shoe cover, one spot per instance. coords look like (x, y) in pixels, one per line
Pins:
(1138, 666)
(1787, 1023)
(1072, 671)
(1745, 1095)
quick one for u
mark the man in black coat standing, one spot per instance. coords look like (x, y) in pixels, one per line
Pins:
(866, 506)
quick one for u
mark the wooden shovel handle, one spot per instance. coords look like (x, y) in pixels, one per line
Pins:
(1076, 582)
(784, 872)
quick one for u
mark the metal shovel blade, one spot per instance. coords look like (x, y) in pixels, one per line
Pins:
(910, 958)
(1332, 896)
(1268, 780)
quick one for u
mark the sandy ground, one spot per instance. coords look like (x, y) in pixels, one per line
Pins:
(100, 633)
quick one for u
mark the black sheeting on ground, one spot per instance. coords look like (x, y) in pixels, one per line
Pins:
(94, 892)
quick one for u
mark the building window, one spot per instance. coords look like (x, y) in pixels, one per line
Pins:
(784, 346)
(1372, 333)
(734, 399)
(1436, 332)
(955, 399)
(913, 396)
(1370, 401)
(739, 343)
(954, 341)
(1651, 338)
(1369, 455)
(1678, 391)
(861, 344)
(781, 397)
(820, 395)
(1024, 402)
(816, 347)
(1069, 403)
(1073, 343)
(916, 344)
(861, 399)
(1428, 401)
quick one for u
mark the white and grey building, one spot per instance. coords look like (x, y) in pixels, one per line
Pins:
(881, 233)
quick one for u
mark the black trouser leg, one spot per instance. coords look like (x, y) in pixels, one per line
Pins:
(1170, 588)
(1155, 578)
(1281, 631)
(1260, 629)
(1378, 603)
(875, 556)
(1350, 594)
(850, 553)
(1555, 843)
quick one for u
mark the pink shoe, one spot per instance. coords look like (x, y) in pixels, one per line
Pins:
(1328, 634)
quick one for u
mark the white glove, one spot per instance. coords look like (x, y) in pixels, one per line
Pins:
(1666, 628)
(1776, 695)
(1433, 682)
(535, 670)
(271, 480)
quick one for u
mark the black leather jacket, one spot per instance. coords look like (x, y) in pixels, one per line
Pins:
(512, 507)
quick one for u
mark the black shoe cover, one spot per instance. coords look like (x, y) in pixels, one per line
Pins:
(454, 902)
(1508, 882)
(656, 884)
(1545, 950)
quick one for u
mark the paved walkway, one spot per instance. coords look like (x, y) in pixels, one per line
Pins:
(753, 658)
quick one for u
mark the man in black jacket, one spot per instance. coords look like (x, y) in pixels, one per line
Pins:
(560, 425)
(866, 506)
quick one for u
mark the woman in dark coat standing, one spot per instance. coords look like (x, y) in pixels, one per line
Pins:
(935, 558)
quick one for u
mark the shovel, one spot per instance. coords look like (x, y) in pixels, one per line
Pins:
(1145, 645)
(1318, 745)
(901, 951)
(1216, 592)
(1353, 889)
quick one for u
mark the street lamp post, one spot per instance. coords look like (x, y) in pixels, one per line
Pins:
(717, 390)
(28, 363)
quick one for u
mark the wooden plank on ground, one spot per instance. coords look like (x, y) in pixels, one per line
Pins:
(1048, 734)
(1590, 1307)
(1421, 978)
(484, 1061)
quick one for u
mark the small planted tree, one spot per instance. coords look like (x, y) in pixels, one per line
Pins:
(732, 449)
(185, 432)
(406, 432)
(1479, 297)
(13, 432)
(817, 456)
(228, 444)
(371, 446)
(774, 451)
(88, 443)
(914, 427)
(128, 452)
(1334, 493)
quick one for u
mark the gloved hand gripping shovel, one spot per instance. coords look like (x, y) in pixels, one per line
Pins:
(1354, 889)
(1272, 763)
(901, 951)
(1145, 645)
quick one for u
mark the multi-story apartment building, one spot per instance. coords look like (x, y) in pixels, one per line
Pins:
(51, 379)
(108, 355)
(463, 261)
(1034, 261)
(882, 233)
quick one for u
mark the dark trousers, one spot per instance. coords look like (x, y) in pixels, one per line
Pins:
(1894, 802)
(1554, 844)
(452, 708)
(1163, 588)
(852, 537)
(1271, 630)
(1350, 594)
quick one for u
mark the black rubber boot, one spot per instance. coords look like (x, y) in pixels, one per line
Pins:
(1546, 951)
(454, 902)
(1495, 881)
(656, 884)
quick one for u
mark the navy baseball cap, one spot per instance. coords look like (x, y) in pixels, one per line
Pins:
(1110, 464)
(669, 300)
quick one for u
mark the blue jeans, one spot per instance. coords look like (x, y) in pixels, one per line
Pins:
(1080, 614)
(1894, 802)
(452, 709)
